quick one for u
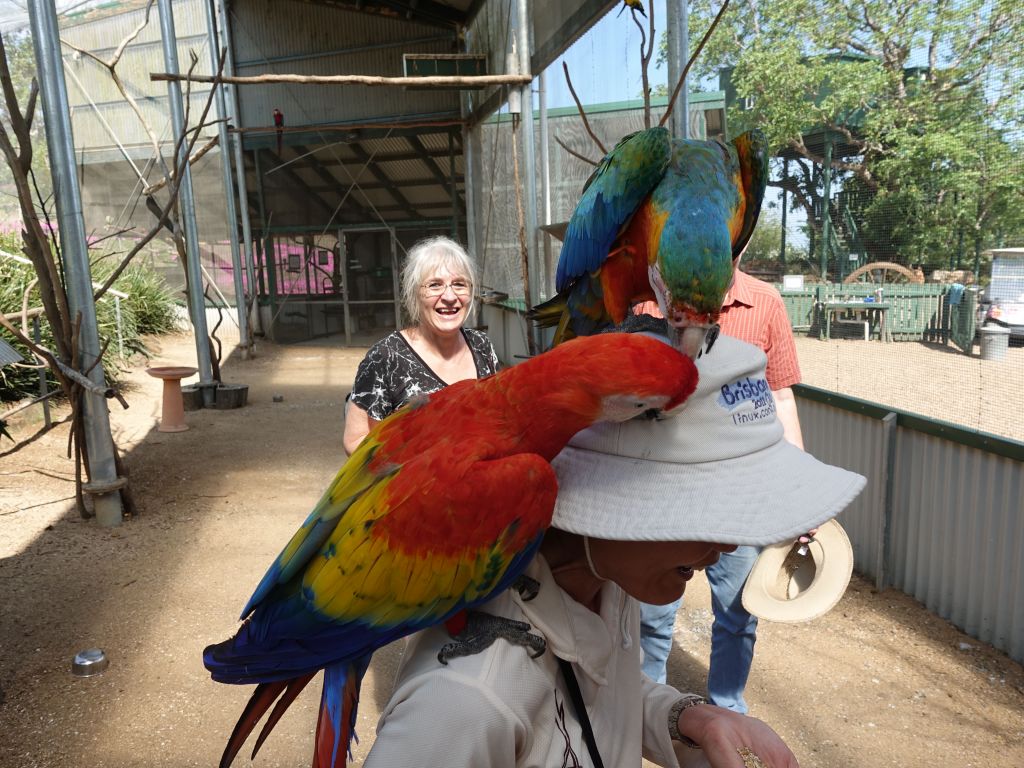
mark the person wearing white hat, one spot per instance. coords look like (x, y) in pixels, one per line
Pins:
(641, 507)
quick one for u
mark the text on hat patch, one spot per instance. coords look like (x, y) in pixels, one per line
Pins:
(755, 393)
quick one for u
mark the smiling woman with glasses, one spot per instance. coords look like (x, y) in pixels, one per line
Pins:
(435, 350)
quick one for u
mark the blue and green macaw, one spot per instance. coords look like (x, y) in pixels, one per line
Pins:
(660, 219)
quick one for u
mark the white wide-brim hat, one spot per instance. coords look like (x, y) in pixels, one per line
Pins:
(718, 469)
(789, 587)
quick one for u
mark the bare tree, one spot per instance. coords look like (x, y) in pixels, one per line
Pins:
(647, 38)
(43, 251)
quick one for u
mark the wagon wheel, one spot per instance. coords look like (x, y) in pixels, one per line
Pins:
(883, 272)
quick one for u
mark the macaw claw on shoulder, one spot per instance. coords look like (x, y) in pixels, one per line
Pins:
(659, 219)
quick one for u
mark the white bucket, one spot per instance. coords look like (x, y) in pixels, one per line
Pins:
(994, 341)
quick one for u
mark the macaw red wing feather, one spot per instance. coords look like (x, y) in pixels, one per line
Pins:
(430, 540)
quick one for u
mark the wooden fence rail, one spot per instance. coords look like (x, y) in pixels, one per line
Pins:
(916, 312)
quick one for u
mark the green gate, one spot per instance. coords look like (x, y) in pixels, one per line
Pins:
(962, 321)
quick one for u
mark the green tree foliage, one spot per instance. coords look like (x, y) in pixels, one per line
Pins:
(765, 243)
(924, 99)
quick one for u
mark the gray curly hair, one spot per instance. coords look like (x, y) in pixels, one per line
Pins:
(423, 260)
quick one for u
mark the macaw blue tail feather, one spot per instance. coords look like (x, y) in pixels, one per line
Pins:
(336, 725)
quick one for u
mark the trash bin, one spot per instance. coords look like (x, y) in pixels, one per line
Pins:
(192, 397)
(994, 341)
(231, 396)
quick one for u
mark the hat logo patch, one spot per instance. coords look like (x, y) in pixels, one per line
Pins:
(747, 390)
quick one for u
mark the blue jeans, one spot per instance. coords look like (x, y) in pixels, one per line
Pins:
(732, 635)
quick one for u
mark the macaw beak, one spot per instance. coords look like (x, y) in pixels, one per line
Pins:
(693, 340)
(690, 340)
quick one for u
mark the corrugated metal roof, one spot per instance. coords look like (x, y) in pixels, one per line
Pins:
(399, 176)
(403, 178)
(324, 39)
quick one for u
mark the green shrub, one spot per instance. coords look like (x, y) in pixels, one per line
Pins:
(17, 382)
(148, 309)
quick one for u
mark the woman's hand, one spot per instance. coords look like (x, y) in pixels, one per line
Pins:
(732, 740)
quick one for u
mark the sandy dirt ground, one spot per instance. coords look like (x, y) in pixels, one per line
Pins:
(928, 379)
(877, 682)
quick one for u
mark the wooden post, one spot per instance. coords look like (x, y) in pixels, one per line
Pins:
(437, 81)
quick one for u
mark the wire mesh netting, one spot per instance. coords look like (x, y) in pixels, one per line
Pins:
(892, 225)
(127, 145)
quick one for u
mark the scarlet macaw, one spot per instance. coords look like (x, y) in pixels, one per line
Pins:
(279, 127)
(441, 507)
(660, 218)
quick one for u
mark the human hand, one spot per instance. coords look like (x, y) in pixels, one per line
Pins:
(808, 537)
(732, 740)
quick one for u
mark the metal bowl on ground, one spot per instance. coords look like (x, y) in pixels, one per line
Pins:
(89, 662)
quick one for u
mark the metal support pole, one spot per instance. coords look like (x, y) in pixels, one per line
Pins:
(884, 554)
(120, 331)
(346, 309)
(187, 208)
(469, 191)
(826, 193)
(678, 28)
(529, 154)
(454, 185)
(43, 394)
(396, 270)
(782, 245)
(235, 118)
(545, 182)
(99, 443)
(241, 305)
(469, 162)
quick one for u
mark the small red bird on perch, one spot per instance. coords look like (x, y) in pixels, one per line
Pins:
(279, 125)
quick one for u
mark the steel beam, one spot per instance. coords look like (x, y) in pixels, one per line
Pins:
(99, 444)
(382, 177)
(187, 208)
(241, 304)
(234, 117)
(443, 179)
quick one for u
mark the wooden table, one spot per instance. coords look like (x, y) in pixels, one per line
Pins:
(871, 313)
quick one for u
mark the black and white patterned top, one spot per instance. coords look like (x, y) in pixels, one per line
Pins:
(392, 373)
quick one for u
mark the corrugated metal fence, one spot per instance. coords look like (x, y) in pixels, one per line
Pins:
(942, 517)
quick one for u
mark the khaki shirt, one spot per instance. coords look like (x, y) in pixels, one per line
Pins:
(500, 708)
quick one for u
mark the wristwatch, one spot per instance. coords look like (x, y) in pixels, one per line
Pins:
(684, 702)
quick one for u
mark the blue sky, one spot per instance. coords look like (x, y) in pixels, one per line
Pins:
(605, 62)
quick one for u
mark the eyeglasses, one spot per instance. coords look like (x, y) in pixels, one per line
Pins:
(434, 288)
